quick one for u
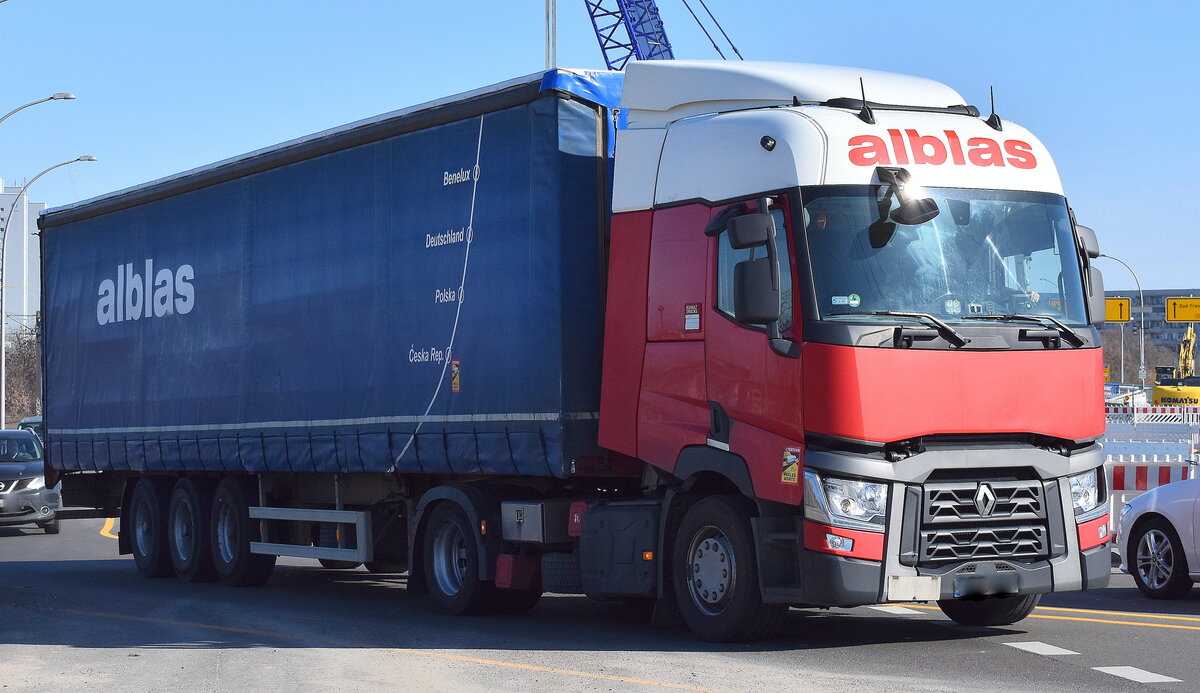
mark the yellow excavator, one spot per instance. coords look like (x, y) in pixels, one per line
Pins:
(1182, 387)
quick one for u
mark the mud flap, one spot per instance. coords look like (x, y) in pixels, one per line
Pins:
(778, 542)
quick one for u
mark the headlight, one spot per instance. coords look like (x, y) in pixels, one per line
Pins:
(847, 503)
(1086, 493)
(36, 483)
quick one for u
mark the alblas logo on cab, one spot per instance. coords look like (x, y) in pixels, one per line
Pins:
(911, 147)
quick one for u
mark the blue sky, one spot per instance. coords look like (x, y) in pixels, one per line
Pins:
(166, 86)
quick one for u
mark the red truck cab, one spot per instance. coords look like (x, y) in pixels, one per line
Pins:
(875, 318)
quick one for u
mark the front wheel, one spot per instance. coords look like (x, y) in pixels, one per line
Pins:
(1160, 568)
(50, 527)
(715, 573)
(990, 611)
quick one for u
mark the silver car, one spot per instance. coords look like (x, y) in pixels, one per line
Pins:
(1159, 538)
(24, 498)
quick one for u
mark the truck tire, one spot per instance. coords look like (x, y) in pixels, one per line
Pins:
(231, 531)
(1157, 561)
(451, 554)
(148, 527)
(715, 573)
(990, 611)
(187, 530)
(384, 567)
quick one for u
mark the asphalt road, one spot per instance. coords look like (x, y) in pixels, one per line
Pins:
(75, 616)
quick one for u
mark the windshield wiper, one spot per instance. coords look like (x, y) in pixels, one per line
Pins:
(948, 333)
(1069, 334)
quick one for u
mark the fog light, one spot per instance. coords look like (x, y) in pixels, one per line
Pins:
(836, 543)
(45, 510)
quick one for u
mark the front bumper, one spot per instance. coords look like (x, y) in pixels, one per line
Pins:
(921, 561)
(24, 507)
(828, 580)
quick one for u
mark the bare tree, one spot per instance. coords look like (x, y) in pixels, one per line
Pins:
(23, 377)
(1156, 355)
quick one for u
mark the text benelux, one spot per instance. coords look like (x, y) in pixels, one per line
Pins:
(132, 296)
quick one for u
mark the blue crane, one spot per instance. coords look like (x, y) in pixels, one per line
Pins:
(629, 29)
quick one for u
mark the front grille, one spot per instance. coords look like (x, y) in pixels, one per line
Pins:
(956, 502)
(983, 520)
(967, 543)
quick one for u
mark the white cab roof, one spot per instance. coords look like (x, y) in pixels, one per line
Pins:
(657, 92)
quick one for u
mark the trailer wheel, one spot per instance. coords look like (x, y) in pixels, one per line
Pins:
(715, 573)
(232, 530)
(990, 611)
(384, 567)
(452, 563)
(148, 526)
(187, 530)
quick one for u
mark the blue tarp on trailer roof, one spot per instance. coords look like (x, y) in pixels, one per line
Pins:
(426, 302)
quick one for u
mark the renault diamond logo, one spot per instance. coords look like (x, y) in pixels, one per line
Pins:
(985, 500)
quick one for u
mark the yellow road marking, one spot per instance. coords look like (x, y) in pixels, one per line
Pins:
(1119, 613)
(108, 526)
(422, 653)
(1095, 620)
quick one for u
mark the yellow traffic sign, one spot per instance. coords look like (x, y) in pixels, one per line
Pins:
(1117, 310)
(1107, 375)
(1183, 309)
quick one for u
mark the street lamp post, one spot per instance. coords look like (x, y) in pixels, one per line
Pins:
(1141, 319)
(60, 96)
(3, 247)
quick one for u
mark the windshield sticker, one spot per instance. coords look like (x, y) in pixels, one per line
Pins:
(975, 308)
(953, 306)
(841, 300)
(853, 300)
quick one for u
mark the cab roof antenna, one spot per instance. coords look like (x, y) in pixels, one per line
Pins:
(993, 120)
(865, 114)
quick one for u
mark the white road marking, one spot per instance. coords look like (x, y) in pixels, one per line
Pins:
(895, 610)
(1135, 674)
(1040, 648)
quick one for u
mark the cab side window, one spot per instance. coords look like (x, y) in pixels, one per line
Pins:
(727, 257)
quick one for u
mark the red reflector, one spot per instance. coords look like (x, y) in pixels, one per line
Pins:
(575, 519)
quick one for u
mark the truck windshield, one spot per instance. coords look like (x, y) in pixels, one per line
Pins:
(987, 252)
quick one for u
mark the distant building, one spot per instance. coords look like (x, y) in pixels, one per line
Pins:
(1158, 331)
(22, 259)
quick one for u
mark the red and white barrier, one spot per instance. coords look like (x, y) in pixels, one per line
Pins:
(1143, 477)
(1127, 414)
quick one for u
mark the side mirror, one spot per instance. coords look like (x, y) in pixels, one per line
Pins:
(914, 210)
(755, 292)
(751, 230)
(1087, 240)
(1095, 295)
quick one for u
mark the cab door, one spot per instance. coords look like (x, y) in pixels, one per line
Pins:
(756, 390)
